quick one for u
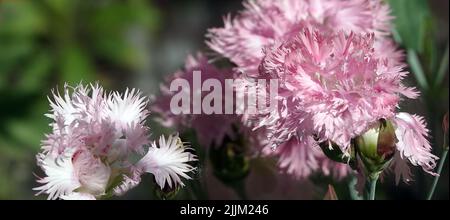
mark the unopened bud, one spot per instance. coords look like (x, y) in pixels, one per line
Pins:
(167, 192)
(376, 147)
(230, 161)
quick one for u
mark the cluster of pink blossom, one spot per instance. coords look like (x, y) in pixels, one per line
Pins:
(266, 22)
(339, 73)
(95, 136)
(211, 129)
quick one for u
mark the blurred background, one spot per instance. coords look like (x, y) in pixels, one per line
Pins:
(135, 43)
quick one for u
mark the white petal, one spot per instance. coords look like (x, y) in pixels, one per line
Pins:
(168, 162)
(128, 183)
(61, 178)
(78, 196)
(127, 110)
(62, 106)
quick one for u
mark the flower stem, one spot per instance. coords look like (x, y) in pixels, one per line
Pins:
(351, 187)
(371, 186)
(439, 171)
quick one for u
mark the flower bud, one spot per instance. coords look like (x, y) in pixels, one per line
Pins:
(229, 161)
(376, 147)
(167, 192)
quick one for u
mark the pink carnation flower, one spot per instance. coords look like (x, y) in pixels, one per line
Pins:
(211, 129)
(94, 135)
(335, 87)
(265, 22)
(332, 86)
(337, 81)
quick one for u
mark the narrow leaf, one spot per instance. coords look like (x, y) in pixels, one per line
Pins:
(417, 69)
(443, 67)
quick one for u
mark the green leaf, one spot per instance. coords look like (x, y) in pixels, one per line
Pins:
(19, 18)
(61, 7)
(120, 15)
(146, 14)
(119, 51)
(417, 70)
(111, 29)
(110, 18)
(443, 67)
(25, 133)
(14, 51)
(76, 66)
(35, 74)
(412, 21)
(8, 149)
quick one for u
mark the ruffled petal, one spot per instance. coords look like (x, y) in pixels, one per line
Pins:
(61, 178)
(412, 143)
(168, 161)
